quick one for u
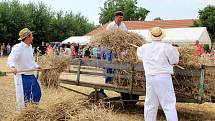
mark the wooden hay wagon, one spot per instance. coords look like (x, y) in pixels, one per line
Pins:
(190, 84)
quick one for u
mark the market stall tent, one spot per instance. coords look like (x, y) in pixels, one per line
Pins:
(180, 35)
(82, 40)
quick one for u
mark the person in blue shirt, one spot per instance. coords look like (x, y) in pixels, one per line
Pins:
(99, 52)
(108, 70)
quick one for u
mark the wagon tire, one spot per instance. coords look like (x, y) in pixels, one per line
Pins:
(101, 98)
(213, 99)
(133, 97)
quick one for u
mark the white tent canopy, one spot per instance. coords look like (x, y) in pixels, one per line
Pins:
(82, 40)
(173, 35)
(181, 35)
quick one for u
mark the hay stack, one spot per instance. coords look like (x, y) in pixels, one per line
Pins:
(32, 113)
(50, 78)
(187, 57)
(65, 110)
(189, 61)
(116, 41)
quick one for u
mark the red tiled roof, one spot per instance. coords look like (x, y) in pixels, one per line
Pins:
(134, 25)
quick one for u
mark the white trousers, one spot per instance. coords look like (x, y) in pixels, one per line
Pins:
(19, 92)
(159, 90)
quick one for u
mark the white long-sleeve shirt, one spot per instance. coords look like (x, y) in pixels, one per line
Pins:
(113, 25)
(21, 57)
(158, 57)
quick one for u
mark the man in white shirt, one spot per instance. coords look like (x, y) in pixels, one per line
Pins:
(158, 60)
(21, 58)
(117, 23)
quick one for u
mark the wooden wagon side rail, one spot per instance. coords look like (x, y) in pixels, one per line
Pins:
(101, 64)
(110, 87)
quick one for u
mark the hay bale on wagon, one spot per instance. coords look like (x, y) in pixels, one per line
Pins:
(189, 61)
(50, 77)
(116, 41)
(187, 57)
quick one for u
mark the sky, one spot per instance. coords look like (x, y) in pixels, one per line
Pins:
(165, 9)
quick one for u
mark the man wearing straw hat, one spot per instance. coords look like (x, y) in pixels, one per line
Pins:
(21, 58)
(158, 60)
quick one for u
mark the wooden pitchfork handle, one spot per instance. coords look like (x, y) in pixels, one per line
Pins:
(138, 46)
(179, 67)
(132, 45)
(31, 70)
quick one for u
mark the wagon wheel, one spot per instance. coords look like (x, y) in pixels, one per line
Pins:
(213, 99)
(100, 98)
(129, 99)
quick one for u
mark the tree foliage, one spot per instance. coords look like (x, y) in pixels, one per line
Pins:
(129, 7)
(158, 18)
(207, 19)
(47, 25)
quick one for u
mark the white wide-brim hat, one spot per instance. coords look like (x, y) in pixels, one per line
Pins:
(157, 33)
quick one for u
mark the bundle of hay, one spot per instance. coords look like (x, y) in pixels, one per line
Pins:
(64, 110)
(116, 41)
(50, 77)
(190, 61)
(32, 113)
(71, 109)
(187, 57)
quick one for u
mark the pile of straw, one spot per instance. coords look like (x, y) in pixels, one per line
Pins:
(187, 57)
(116, 41)
(32, 113)
(66, 107)
(209, 80)
(189, 61)
(50, 77)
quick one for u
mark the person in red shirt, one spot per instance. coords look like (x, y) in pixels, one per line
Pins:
(49, 50)
(199, 49)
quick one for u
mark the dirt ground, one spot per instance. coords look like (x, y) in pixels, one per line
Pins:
(186, 111)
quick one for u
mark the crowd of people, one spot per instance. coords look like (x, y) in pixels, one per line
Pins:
(5, 49)
(71, 49)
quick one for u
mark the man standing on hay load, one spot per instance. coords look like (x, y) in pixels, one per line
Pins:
(116, 24)
(21, 58)
(158, 60)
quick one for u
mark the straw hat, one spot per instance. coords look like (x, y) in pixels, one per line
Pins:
(157, 33)
(24, 33)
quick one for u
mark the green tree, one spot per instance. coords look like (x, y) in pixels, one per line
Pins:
(129, 7)
(47, 25)
(207, 19)
(158, 18)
